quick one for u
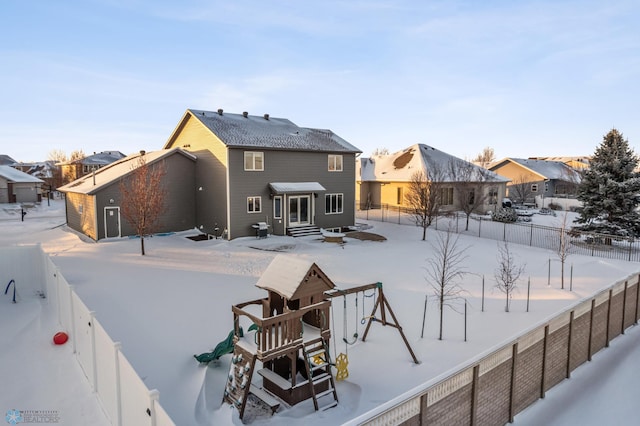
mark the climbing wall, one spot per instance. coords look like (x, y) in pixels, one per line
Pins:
(239, 379)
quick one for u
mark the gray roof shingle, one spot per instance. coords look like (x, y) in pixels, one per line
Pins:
(238, 130)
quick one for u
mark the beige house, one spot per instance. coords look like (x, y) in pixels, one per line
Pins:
(385, 179)
(19, 187)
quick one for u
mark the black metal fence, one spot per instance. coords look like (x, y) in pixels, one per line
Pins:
(547, 237)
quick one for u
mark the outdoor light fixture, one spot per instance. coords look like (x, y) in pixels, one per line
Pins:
(111, 201)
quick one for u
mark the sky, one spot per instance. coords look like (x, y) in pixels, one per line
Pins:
(526, 78)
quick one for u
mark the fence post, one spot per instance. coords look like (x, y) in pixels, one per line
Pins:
(73, 318)
(117, 347)
(569, 343)
(624, 306)
(549, 274)
(92, 324)
(154, 396)
(593, 308)
(482, 293)
(608, 317)
(474, 394)
(512, 390)
(531, 235)
(544, 361)
(528, 292)
(504, 231)
(480, 228)
(637, 298)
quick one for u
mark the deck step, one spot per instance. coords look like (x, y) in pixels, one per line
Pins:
(275, 378)
(265, 397)
(303, 231)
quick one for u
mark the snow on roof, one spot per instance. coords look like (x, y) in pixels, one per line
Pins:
(284, 275)
(238, 130)
(401, 165)
(288, 187)
(548, 169)
(16, 176)
(5, 160)
(103, 158)
(107, 175)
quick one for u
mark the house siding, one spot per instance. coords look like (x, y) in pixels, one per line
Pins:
(85, 221)
(4, 190)
(210, 173)
(288, 166)
(179, 183)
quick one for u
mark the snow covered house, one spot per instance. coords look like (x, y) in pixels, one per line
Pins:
(531, 179)
(5, 160)
(19, 187)
(75, 169)
(385, 179)
(93, 202)
(263, 170)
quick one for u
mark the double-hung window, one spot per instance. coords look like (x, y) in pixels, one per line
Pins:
(254, 204)
(253, 161)
(333, 203)
(335, 163)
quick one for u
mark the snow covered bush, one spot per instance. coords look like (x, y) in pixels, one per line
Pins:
(505, 214)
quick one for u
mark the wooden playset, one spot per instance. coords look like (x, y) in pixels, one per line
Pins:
(290, 346)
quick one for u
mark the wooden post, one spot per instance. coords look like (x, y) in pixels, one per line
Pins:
(608, 318)
(474, 394)
(569, 343)
(512, 390)
(624, 306)
(482, 293)
(593, 308)
(528, 292)
(543, 376)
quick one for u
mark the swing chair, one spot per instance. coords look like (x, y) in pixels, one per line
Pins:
(380, 303)
(342, 360)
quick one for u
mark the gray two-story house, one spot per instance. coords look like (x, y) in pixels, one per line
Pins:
(260, 169)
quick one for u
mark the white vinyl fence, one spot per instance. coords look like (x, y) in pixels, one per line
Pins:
(125, 398)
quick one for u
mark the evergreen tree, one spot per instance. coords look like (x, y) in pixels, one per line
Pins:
(610, 189)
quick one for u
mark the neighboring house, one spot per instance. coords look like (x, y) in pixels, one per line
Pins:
(5, 160)
(385, 179)
(75, 169)
(576, 163)
(19, 187)
(254, 169)
(48, 171)
(537, 178)
(93, 202)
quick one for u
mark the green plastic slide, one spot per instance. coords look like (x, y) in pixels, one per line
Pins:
(222, 348)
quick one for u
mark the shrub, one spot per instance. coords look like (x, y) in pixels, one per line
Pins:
(504, 215)
(555, 206)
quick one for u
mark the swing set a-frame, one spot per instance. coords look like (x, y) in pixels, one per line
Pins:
(381, 303)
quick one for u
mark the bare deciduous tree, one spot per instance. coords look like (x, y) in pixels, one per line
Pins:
(485, 157)
(380, 151)
(143, 197)
(564, 244)
(445, 270)
(423, 197)
(471, 191)
(508, 273)
(520, 190)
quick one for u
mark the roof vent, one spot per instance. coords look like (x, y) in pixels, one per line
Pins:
(142, 152)
(220, 111)
(266, 116)
(245, 114)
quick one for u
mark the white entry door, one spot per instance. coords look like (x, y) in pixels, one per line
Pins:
(299, 208)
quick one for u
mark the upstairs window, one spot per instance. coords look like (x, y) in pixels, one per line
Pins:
(254, 161)
(534, 187)
(335, 163)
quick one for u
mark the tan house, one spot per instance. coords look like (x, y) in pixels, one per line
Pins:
(385, 179)
(75, 169)
(531, 179)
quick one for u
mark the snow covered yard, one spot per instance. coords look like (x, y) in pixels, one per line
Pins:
(176, 302)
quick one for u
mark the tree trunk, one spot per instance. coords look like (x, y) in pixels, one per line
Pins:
(506, 306)
(562, 275)
(467, 227)
(142, 244)
(441, 316)
(424, 232)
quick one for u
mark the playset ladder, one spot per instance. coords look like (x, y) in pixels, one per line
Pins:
(239, 384)
(318, 366)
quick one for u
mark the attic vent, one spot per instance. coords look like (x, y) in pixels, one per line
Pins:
(266, 116)
(245, 114)
(142, 152)
(220, 111)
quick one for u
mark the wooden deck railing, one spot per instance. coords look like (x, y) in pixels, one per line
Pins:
(279, 333)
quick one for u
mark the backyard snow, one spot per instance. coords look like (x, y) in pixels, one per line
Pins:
(176, 302)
